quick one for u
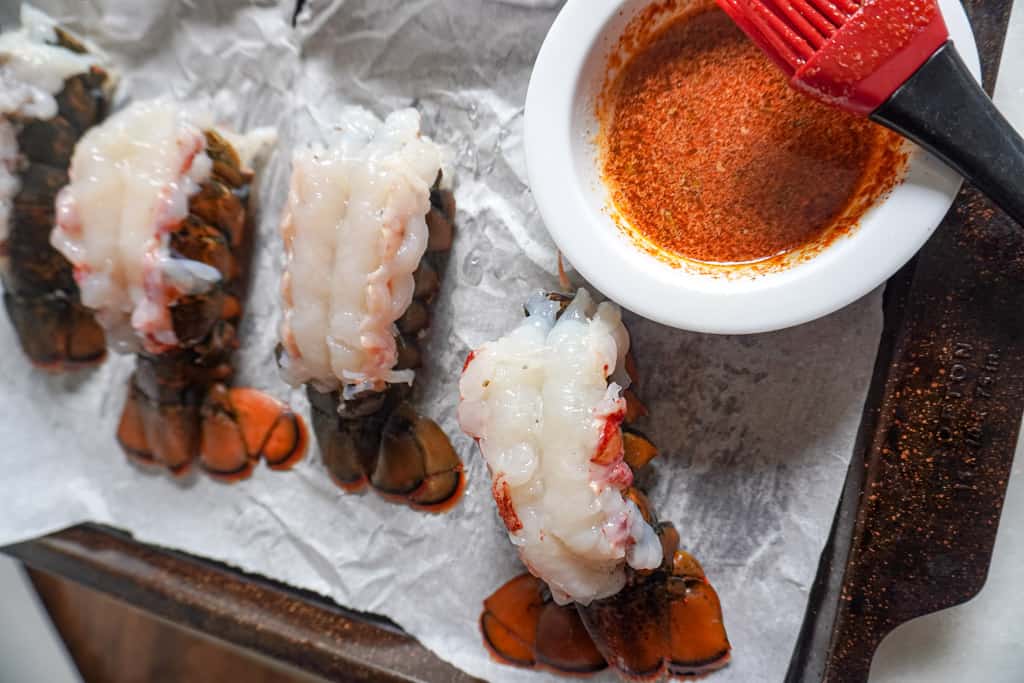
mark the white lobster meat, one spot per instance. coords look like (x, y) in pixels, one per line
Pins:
(547, 420)
(33, 68)
(131, 180)
(354, 234)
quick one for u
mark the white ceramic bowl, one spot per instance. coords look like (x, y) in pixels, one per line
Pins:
(565, 179)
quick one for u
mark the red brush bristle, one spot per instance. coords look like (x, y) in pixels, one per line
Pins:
(855, 64)
(790, 31)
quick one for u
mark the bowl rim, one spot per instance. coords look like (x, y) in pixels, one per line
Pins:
(889, 234)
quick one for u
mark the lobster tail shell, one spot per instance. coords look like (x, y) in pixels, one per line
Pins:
(663, 623)
(40, 295)
(55, 332)
(379, 440)
(376, 438)
(179, 406)
(240, 426)
(668, 623)
(523, 627)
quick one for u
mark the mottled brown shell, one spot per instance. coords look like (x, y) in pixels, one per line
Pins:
(55, 331)
(179, 406)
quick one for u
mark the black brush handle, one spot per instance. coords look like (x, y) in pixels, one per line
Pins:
(943, 109)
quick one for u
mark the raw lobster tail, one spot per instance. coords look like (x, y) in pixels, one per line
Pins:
(376, 438)
(55, 331)
(179, 406)
(662, 618)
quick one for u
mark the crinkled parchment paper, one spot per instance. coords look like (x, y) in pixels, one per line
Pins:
(756, 431)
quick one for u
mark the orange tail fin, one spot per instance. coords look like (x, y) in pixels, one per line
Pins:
(242, 425)
(522, 627)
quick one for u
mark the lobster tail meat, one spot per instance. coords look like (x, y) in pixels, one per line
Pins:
(128, 200)
(548, 423)
(355, 233)
(553, 408)
(367, 219)
(53, 88)
(155, 223)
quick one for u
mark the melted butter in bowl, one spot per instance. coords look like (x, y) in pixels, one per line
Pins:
(710, 157)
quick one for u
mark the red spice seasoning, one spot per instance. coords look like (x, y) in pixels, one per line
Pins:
(712, 157)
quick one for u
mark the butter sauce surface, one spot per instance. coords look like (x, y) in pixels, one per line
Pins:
(710, 156)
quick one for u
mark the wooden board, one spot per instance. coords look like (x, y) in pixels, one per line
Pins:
(292, 627)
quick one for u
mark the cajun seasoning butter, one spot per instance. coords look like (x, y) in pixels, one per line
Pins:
(710, 156)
